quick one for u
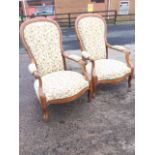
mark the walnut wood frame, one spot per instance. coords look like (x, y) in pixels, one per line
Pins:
(126, 52)
(44, 103)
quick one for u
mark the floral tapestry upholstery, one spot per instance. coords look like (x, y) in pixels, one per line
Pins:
(92, 32)
(62, 84)
(43, 39)
(109, 69)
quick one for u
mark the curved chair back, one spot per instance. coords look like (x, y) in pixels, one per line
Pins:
(91, 31)
(42, 39)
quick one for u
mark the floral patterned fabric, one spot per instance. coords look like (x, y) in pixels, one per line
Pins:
(109, 69)
(92, 31)
(62, 84)
(43, 39)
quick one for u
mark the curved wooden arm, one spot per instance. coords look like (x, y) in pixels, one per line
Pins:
(40, 91)
(86, 56)
(33, 70)
(42, 96)
(129, 62)
(124, 51)
(80, 61)
(38, 77)
(118, 48)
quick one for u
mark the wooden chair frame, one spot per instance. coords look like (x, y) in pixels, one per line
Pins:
(43, 102)
(124, 51)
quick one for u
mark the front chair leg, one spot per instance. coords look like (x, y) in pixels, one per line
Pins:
(44, 108)
(45, 115)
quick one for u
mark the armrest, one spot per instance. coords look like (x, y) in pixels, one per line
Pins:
(118, 48)
(32, 68)
(79, 60)
(86, 56)
(72, 57)
(124, 51)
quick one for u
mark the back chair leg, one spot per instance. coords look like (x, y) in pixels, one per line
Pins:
(129, 81)
(94, 87)
(89, 94)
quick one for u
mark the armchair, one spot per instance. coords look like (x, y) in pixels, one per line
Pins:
(53, 84)
(91, 32)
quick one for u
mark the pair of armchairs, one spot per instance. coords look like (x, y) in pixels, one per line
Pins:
(54, 84)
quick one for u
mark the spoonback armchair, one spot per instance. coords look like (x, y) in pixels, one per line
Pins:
(91, 30)
(54, 84)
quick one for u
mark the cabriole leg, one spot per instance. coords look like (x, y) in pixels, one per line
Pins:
(44, 108)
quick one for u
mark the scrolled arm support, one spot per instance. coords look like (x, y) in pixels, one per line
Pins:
(86, 56)
(78, 60)
(126, 52)
(33, 70)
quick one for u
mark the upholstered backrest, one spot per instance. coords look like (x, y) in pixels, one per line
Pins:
(43, 40)
(91, 32)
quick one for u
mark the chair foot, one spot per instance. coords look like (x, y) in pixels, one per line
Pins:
(45, 116)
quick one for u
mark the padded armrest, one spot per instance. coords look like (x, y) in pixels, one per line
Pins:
(32, 68)
(87, 56)
(120, 47)
(74, 57)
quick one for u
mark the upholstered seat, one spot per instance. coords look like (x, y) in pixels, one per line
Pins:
(62, 84)
(109, 69)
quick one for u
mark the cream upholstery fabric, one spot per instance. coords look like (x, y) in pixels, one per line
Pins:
(75, 57)
(62, 84)
(92, 32)
(32, 68)
(119, 47)
(43, 39)
(86, 55)
(108, 69)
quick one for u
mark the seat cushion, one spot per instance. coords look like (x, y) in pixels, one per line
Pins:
(62, 84)
(109, 69)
